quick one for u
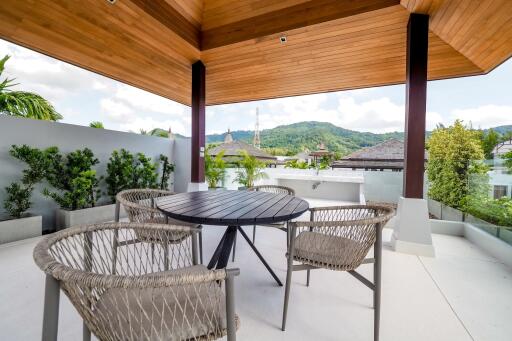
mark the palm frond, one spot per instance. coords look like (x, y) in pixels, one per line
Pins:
(2, 63)
(27, 104)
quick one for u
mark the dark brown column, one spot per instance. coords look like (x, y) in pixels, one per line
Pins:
(198, 114)
(415, 105)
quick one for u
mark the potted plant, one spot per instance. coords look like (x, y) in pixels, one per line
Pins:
(249, 170)
(76, 189)
(214, 169)
(21, 224)
(126, 171)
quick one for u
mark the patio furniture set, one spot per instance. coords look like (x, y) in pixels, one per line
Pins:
(144, 279)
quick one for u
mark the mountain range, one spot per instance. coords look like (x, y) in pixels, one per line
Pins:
(294, 138)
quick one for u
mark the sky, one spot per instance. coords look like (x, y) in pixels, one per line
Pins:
(82, 97)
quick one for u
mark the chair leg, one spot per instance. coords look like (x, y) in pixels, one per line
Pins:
(201, 246)
(86, 333)
(230, 308)
(289, 271)
(51, 309)
(253, 233)
(377, 272)
(234, 247)
(287, 291)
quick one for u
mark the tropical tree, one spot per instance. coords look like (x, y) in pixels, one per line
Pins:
(96, 124)
(250, 169)
(214, 168)
(155, 132)
(489, 140)
(508, 160)
(454, 153)
(23, 103)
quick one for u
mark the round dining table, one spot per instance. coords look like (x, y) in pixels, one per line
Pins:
(232, 209)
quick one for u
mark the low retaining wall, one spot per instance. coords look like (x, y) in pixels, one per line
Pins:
(43, 134)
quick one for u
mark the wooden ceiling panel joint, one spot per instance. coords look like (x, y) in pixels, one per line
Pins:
(286, 19)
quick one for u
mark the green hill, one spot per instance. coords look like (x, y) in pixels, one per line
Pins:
(293, 138)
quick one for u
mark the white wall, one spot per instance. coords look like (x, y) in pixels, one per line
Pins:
(181, 152)
(102, 142)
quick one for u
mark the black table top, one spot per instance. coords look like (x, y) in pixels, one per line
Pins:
(223, 207)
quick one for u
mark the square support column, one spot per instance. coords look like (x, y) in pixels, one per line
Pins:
(412, 232)
(198, 127)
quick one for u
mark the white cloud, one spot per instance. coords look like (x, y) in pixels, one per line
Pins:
(485, 116)
(143, 100)
(117, 111)
(377, 115)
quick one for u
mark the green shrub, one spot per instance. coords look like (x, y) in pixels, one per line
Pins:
(296, 164)
(144, 172)
(167, 169)
(125, 171)
(494, 211)
(119, 172)
(214, 168)
(250, 169)
(17, 201)
(74, 179)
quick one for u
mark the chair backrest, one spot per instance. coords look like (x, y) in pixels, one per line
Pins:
(273, 189)
(356, 224)
(123, 291)
(139, 204)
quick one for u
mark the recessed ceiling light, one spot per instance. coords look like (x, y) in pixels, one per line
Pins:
(283, 39)
(111, 1)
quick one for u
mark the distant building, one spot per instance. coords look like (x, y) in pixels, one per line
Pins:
(388, 155)
(502, 148)
(232, 150)
(321, 152)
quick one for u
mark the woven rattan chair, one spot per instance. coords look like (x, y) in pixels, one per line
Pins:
(155, 291)
(139, 204)
(283, 226)
(339, 238)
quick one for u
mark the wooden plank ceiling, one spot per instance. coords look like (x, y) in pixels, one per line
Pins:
(331, 44)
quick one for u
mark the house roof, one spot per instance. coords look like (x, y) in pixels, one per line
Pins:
(502, 148)
(386, 155)
(232, 150)
(331, 45)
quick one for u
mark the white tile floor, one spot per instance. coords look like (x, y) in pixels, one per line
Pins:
(462, 294)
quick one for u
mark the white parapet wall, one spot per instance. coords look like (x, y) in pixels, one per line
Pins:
(67, 138)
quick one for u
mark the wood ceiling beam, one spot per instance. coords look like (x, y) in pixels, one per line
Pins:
(168, 16)
(301, 15)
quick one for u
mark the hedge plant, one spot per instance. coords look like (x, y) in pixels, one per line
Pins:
(126, 170)
(17, 201)
(74, 179)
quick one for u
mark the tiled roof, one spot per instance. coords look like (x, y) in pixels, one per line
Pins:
(386, 155)
(232, 149)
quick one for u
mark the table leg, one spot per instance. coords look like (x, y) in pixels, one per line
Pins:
(227, 247)
(260, 256)
(220, 257)
(216, 254)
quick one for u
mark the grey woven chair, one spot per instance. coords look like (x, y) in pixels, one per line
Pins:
(155, 291)
(139, 204)
(339, 238)
(283, 226)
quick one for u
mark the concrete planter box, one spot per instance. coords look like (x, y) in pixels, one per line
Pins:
(99, 214)
(19, 229)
